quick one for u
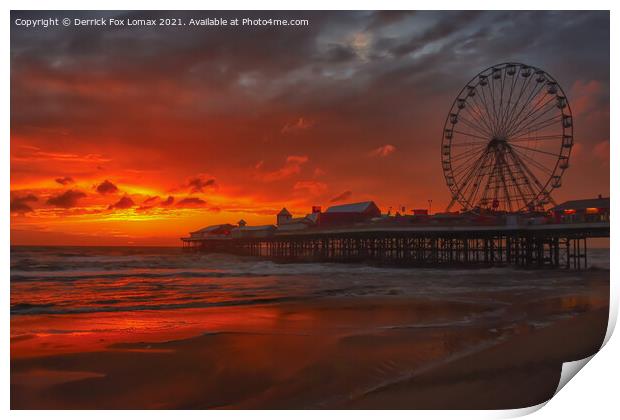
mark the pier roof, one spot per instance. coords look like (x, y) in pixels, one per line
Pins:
(213, 228)
(284, 212)
(260, 227)
(601, 203)
(352, 207)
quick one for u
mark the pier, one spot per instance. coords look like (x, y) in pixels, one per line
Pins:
(533, 246)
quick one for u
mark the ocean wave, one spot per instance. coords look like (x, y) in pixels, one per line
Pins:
(50, 309)
(75, 280)
(77, 275)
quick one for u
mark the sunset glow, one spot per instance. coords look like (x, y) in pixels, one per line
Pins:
(307, 210)
(110, 147)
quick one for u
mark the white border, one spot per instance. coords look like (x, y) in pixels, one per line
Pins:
(591, 395)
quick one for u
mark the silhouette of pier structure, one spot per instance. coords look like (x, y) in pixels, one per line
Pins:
(534, 246)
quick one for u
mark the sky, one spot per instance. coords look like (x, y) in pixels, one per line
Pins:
(138, 135)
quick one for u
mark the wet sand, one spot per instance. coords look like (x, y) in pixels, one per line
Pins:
(522, 371)
(497, 351)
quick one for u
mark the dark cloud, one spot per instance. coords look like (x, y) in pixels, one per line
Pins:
(191, 202)
(387, 17)
(449, 24)
(106, 187)
(20, 204)
(65, 180)
(151, 199)
(67, 199)
(341, 197)
(338, 53)
(199, 183)
(168, 201)
(124, 203)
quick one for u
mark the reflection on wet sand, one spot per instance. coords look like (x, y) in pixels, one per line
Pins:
(361, 352)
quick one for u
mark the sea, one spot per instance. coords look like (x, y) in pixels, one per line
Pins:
(72, 280)
(130, 327)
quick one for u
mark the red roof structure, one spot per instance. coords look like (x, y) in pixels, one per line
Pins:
(350, 213)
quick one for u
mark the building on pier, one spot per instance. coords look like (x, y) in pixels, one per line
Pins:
(262, 231)
(283, 217)
(349, 213)
(213, 232)
(286, 221)
(580, 211)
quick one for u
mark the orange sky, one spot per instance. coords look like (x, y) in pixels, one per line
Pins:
(135, 137)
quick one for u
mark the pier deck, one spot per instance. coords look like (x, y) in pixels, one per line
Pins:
(549, 245)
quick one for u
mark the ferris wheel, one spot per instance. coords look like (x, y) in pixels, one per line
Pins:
(507, 140)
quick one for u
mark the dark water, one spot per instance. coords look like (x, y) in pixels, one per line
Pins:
(62, 280)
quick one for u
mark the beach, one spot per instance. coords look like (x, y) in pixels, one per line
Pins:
(154, 328)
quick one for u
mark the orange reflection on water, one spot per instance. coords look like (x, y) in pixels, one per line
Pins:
(37, 335)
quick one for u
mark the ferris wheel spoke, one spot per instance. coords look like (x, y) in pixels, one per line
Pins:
(506, 192)
(506, 107)
(535, 92)
(514, 107)
(537, 125)
(465, 181)
(458, 172)
(481, 173)
(477, 193)
(516, 186)
(527, 170)
(531, 113)
(479, 105)
(467, 153)
(524, 179)
(536, 138)
(500, 185)
(474, 126)
(492, 89)
(509, 104)
(527, 182)
(475, 143)
(478, 116)
(500, 100)
(470, 135)
(508, 195)
(537, 151)
(492, 174)
(538, 165)
(472, 109)
(465, 164)
(486, 107)
(544, 170)
(501, 94)
(534, 119)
